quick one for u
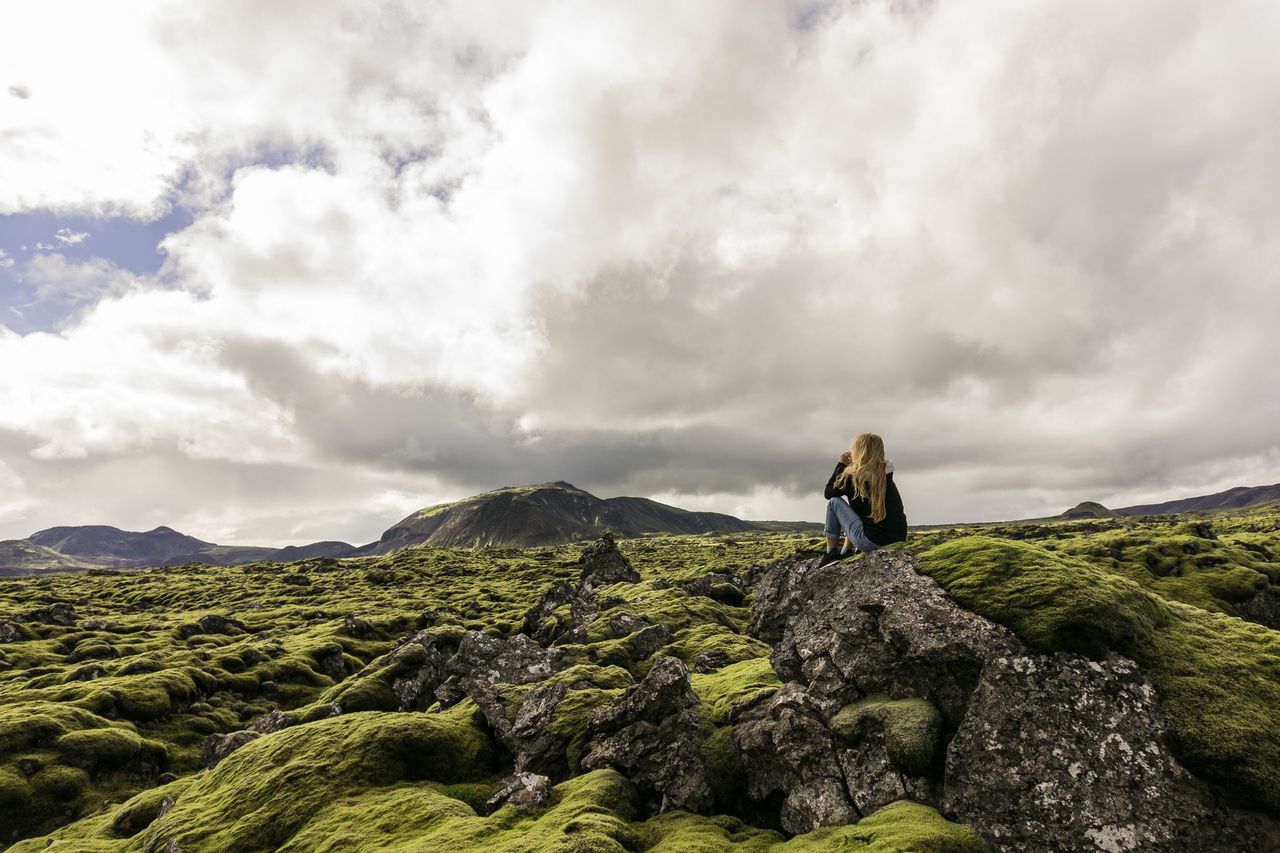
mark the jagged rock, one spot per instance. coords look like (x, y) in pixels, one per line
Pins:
(355, 626)
(527, 792)
(711, 661)
(788, 751)
(1049, 751)
(1263, 608)
(648, 640)
(94, 625)
(518, 660)
(332, 665)
(273, 722)
(603, 564)
(55, 614)
(1092, 766)
(876, 626)
(718, 586)
(9, 632)
(217, 624)
(524, 727)
(218, 746)
(651, 735)
(420, 666)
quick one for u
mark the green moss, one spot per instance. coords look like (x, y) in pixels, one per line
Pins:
(1218, 677)
(719, 691)
(901, 826)
(1053, 603)
(912, 728)
(106, 747)
(294, 774)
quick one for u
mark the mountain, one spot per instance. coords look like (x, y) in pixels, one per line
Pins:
(1089, 509)
(112, 546)
(544, 514)
(1240, 497)
(20, 557)
(100, 546)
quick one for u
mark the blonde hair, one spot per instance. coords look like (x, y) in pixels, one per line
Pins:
(866, 472)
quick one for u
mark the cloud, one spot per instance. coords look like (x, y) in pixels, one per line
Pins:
(67, 237)
(667, 249)
(6, 260)
(20, 92)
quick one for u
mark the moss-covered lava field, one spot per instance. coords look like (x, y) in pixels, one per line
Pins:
(115, 685)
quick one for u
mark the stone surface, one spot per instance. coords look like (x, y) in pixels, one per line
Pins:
(651, 735)
(789, 753)
(1043, 752)
(526, 792)
(218, 746)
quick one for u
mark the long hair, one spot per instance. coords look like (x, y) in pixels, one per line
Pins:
(866, 472)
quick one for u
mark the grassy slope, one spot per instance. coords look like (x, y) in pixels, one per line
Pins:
(1217, 675)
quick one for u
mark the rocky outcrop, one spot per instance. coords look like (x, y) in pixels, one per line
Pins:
(565, 609)
(1039, 751)
(651, 735)
(218, 746)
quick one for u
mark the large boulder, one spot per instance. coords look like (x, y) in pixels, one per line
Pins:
(651, 735)
(1041, 751)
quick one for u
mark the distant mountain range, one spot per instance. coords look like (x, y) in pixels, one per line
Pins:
(1241, 497)
(510, 517)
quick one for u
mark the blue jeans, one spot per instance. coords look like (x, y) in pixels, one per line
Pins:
(841, 515)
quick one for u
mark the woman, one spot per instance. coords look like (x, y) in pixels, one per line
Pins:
(873, 517)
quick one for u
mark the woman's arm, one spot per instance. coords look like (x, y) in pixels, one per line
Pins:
(831, 491)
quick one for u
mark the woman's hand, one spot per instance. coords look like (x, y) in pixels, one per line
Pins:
(846, 458)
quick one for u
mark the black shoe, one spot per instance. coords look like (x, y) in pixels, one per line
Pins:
(831, 557)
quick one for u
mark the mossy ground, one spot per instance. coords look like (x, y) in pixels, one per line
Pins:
(91, 714)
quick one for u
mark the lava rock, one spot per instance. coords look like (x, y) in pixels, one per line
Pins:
(217, 624)
(603, 564)
(273, 722)
(788, 751)
(55, 614)
(9, 632)
(218, 746)
(526, 792)
(651, 735)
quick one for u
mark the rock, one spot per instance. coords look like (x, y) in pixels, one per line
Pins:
(651, 735)
(55, 614)
(29, 766)
(518, 660)
(356, 627)
(273, 722)
(876, 626)
(560, 593)
(94, 625)
(524, 727)
(216, 624)
(218, 746)
(418, 665)
(9, 632)
(166, 778)
(788, 752)
(527, 792)
(648, 640)
(711, 661)
(603, 564)
(332, 665)
(1263, 608)
(1042, 751)
(1091, 766)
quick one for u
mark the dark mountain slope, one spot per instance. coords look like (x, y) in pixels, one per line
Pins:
(543, 514)
(101, 543)
(1239, 497)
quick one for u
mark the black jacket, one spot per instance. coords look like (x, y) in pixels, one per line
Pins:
(894, 526)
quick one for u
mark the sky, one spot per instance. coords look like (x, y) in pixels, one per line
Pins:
(279, 272)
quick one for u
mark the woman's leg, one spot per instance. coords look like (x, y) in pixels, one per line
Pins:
(844, 517)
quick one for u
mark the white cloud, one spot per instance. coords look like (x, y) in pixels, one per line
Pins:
(6, 260)
(670, 248)
(67, 237)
